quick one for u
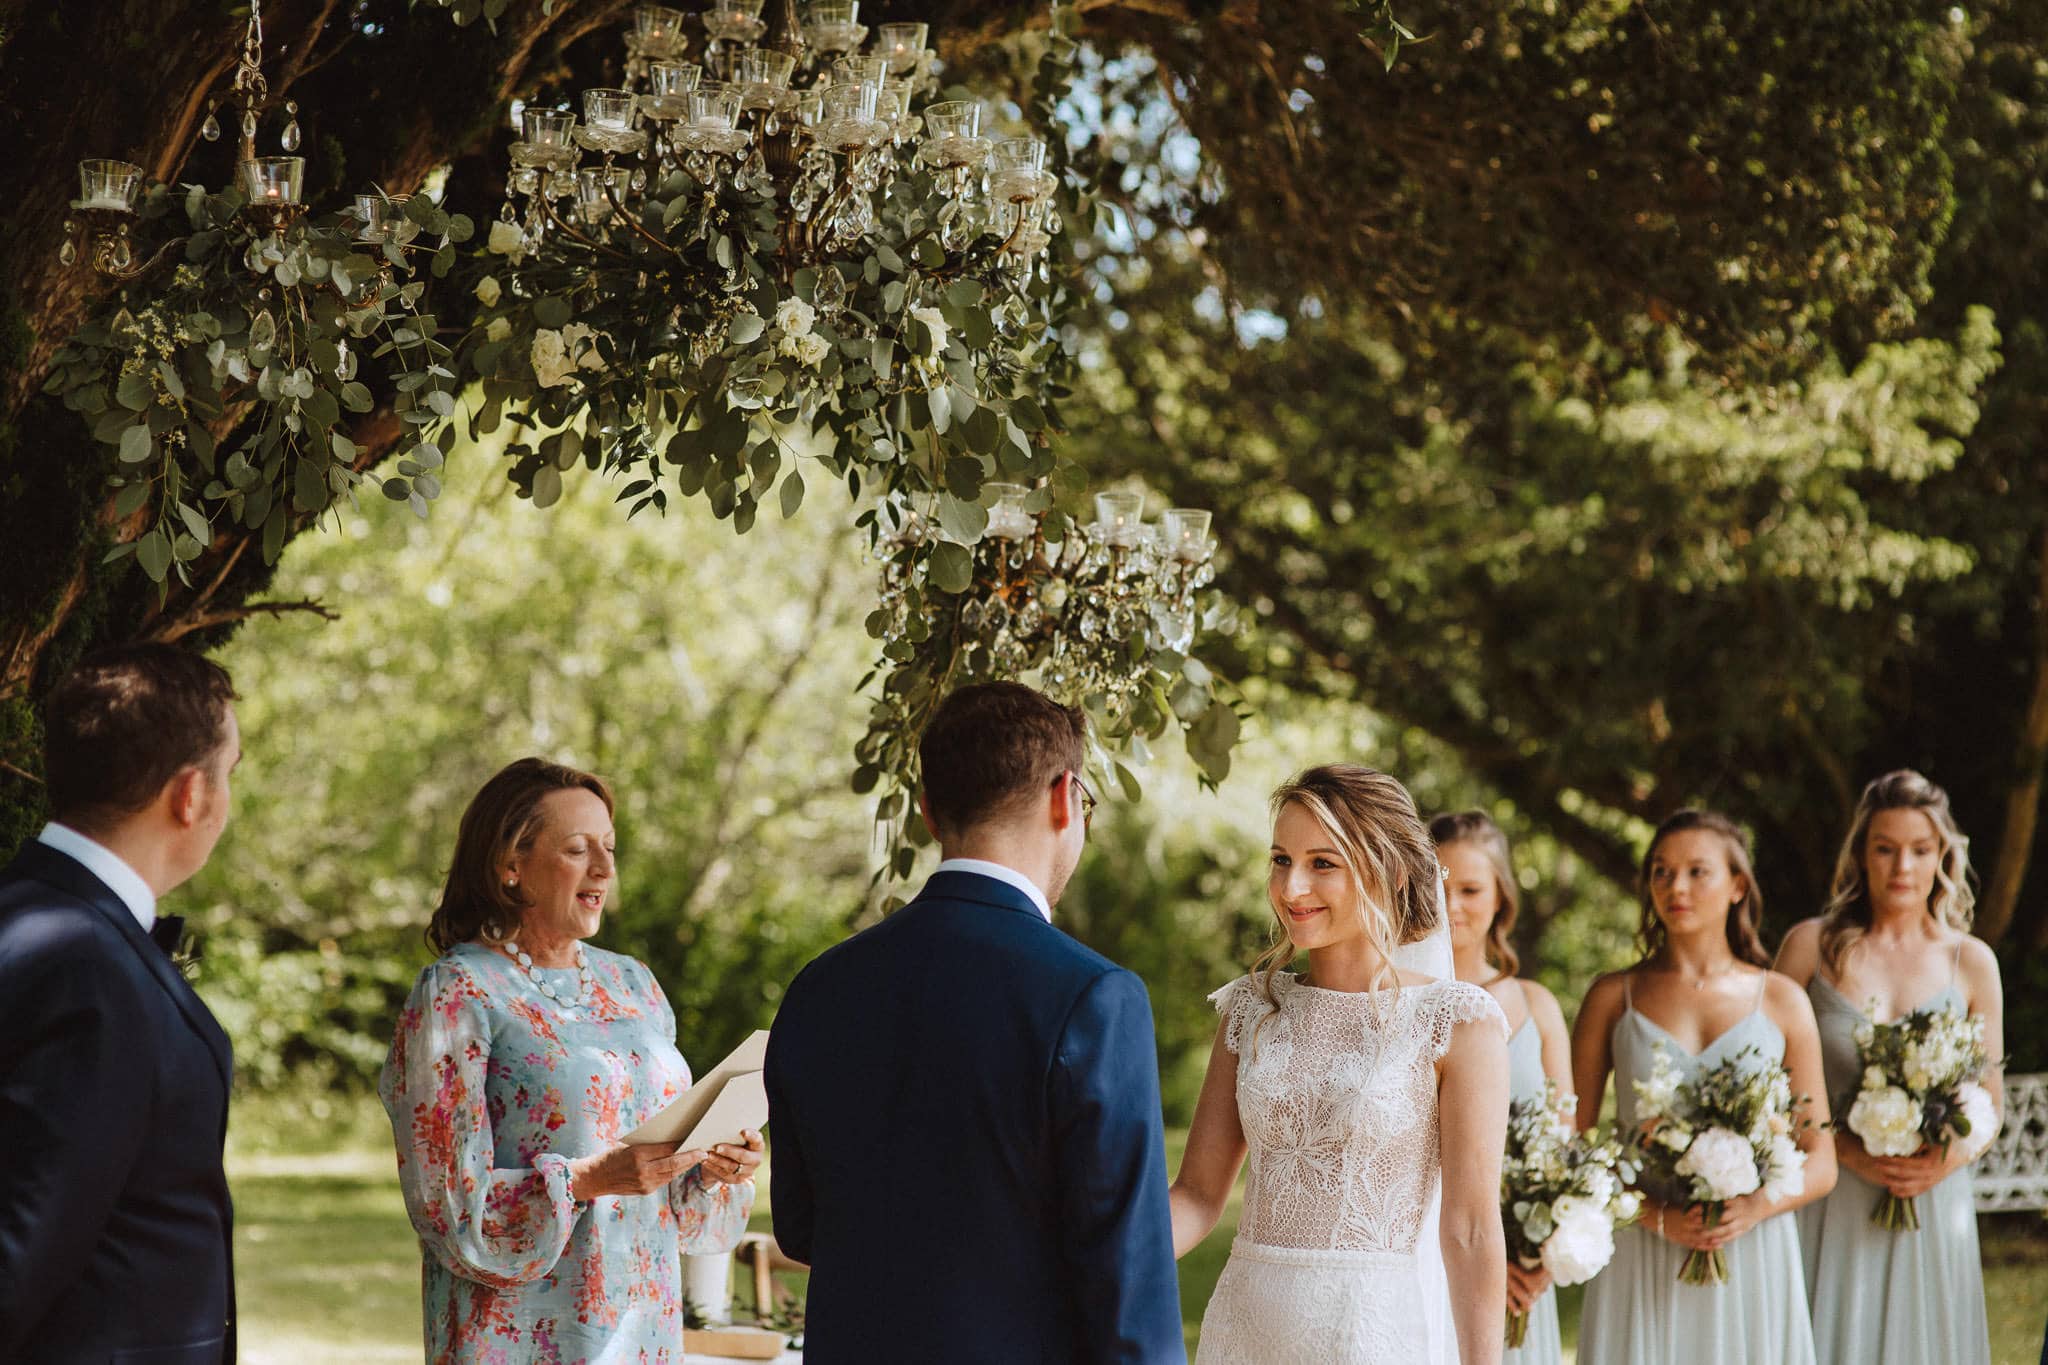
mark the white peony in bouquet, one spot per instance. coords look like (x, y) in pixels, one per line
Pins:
(1727, 1132)
(1920, 1089)
(1562, 1194)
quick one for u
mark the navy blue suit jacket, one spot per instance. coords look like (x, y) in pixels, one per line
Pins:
(114, 1216)
(964, 1106)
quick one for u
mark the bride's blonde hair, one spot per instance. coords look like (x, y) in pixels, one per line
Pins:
(1382, 842)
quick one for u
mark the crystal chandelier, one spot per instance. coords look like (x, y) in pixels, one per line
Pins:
(800, 111)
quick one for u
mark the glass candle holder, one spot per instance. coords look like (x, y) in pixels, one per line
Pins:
(609, 110)
(274, 180)
(658, 30)
(104, 184)
(590, 196)
(1118, 517)
(1007, 519)
(834, 26)
(901, 45)
(715, 105)
(734, 21)
(1184, 534)
(764, 68)
(673, 80)
(832, 12)
(953, 118)
(855, 70)
(810, 108)
(380, 215)
(1014, 165)
(547, 127)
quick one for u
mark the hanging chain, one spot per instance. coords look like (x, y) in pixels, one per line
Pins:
(249, 86)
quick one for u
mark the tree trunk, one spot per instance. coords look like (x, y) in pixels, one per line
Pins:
(2023, 798)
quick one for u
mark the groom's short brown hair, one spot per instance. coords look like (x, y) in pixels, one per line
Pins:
(990, 744)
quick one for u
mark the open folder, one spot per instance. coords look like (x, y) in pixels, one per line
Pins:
(721, 1103)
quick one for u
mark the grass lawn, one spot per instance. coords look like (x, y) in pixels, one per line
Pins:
(328, 1271)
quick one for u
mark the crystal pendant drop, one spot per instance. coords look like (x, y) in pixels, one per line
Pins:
(123, 257)
(68, 253)
(290, 140)
(508, 214)
(830, 291)
(249, 124)
(210, 130)
(639, 180)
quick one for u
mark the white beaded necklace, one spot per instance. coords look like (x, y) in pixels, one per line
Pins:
(583, 978)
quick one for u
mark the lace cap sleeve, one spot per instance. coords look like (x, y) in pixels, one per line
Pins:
(1459, 1002)
(1240, 1004)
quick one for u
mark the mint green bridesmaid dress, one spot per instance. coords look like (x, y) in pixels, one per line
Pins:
(1525, 1082)
(1889, 1298)
(1637, 1313)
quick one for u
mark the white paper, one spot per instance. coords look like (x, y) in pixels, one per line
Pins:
(742, 1103)
(683, 1117)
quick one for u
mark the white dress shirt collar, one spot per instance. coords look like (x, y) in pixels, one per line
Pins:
(1010, 875)
(121, 879)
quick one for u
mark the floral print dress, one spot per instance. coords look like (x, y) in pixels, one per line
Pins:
(492, 1088)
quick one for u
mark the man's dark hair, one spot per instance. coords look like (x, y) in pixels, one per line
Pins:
(123, 723)
(994, 743)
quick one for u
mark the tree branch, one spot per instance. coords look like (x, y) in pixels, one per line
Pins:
(171, 631)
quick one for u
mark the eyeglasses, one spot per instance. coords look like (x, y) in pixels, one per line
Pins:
(1088, 802)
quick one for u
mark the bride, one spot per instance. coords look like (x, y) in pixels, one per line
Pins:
(1354, 1085)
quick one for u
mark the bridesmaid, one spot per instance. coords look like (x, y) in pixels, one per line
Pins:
(1893, 938)
(1483, 900)
(1700, 994)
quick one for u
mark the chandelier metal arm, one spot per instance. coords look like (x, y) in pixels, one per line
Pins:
(568, 229)
(632, 220)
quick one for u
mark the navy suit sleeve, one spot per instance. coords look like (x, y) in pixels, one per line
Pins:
(74, 1099)
(791, 1202)
(1110, 1153)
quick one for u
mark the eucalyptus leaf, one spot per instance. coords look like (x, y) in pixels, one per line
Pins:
(951, 568)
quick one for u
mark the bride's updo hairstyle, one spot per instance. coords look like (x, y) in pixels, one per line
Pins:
(1373, 823)
(1847, 915)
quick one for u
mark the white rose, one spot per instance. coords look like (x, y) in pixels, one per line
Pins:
(551, 363)
(497, 329)
(1582, 1243)
(1887, 1120)
(506, 240)
(574, 339)
(1722, 1162)
(1785, 1166)
(488, 291)
(795, 317)
(1675, 1136)
(1983, 1117)
(935, 321)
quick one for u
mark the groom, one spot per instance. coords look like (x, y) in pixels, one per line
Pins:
(965, 1101)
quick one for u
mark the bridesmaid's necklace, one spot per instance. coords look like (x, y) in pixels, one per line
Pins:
(583, 979)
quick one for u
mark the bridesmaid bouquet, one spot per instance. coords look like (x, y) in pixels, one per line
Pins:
(1727, 1132)
(1920, 1090)
(1562, 1194)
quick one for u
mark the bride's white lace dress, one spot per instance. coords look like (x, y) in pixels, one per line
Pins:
(1337, 1093)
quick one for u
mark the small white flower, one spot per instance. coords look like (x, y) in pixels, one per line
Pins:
(1582, 1243)
(488, 291)
(1983, 1116)
(795, 317)
(579, 339)
(1723, 1163)
(1785, 1176)
(1887, 1120)
(506, 240)
(809, 349)
(1874, 1078)
(935, 322)
(497, 329)
(1601, 1186)
(1627, 1205)
(1676, 1136)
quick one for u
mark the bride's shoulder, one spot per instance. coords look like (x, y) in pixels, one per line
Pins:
(1240, 1002)
(1446, 1003)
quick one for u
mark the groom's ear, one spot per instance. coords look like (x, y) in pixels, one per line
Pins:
(924, 810)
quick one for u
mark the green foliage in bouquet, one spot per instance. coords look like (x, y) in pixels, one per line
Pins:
(259, 313)
(1919, 1089)
(1729, 1131)
(1562, 1194)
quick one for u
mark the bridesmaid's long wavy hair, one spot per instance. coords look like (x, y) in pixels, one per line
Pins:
(1392, 860)
(1476, 827)
(503, 818)
(1954, 902)
(1744, 916)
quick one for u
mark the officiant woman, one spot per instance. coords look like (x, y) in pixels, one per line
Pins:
(522, 1056)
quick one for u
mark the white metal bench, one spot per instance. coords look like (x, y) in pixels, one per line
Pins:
(2014, 1173)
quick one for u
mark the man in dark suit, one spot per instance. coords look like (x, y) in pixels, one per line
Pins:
(114, 1216)
(964, 1102)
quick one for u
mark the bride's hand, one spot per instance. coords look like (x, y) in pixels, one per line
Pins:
(1525, 1286)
